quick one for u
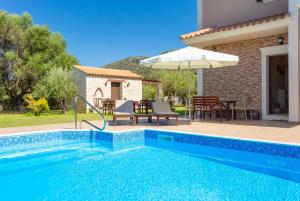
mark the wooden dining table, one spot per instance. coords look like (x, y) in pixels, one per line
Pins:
(145, 106)
(227, 103)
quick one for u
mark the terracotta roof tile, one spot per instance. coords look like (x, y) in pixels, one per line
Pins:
(206, 31)
(108, 72)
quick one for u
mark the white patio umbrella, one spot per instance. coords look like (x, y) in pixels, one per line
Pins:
(190, 58)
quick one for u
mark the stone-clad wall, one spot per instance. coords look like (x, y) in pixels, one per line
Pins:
(86, 85)
(133, 91)
(93, 83)
(245, 79)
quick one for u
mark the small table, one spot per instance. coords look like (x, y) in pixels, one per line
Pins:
(137, 116)
(227, 104)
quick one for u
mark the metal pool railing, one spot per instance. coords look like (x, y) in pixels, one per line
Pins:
(86, 121)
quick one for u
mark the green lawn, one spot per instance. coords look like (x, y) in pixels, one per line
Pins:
(180, 110)
(53, 117)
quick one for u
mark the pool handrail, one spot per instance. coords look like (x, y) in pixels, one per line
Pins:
(94, 108)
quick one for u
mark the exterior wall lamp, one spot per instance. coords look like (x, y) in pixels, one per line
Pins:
(280, 40)
(106, 83)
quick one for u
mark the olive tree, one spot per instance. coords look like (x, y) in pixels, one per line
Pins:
(58, 84)
(28, 52)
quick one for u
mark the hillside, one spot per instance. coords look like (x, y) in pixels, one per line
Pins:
(174, 83)
(132, 64)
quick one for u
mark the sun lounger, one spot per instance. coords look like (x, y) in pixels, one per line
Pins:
(163, 110)
(124, 109)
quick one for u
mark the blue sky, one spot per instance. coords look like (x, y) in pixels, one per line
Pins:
(102, 31)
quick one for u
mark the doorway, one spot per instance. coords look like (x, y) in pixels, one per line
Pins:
(116, 91)
(278, 84)
(275, 97)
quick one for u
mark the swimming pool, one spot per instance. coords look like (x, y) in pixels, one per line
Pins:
(145, 165)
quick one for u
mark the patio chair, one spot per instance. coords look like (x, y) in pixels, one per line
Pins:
(163, 110)
(206, 104)
(244, 105)
(98, 103)
(136, 107)
(124, 110)
(214, 105)
(108, 106)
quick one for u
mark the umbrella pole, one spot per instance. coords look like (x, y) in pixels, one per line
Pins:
(189, 98)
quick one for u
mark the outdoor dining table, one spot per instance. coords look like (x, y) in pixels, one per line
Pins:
(109, 106)
(145, 105)
(227, 104)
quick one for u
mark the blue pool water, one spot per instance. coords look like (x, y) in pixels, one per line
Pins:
(137, 166)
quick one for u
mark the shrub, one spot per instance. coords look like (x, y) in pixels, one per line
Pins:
(37, 106)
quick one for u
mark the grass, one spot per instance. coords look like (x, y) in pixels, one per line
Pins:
(180, 110)
(53, 117)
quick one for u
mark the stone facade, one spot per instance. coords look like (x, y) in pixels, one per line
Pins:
(243, 80)
(90, 87)
(131, 89)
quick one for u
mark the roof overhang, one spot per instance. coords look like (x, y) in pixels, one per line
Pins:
(244, 33)
(109, 73)
(151, 82)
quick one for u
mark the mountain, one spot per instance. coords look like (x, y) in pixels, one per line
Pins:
(132, 64)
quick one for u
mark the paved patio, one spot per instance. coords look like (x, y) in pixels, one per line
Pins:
(259, 130)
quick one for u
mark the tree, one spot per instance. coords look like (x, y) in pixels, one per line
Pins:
(149, 92)
(175, 83)
(27, 53)
(58, 84)
(181, 84)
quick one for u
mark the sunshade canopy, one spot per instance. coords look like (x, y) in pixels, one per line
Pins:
(190, 58)
(198, 58)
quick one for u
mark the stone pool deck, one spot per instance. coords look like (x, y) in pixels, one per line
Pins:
(259, 130)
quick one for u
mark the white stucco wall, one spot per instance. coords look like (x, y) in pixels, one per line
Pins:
(294, 64)
(220, 13)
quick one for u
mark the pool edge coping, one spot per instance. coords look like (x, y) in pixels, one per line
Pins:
(127, 131)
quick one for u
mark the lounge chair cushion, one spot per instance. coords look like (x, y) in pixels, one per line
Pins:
(124, 108)
(123, 114)
(162, 108)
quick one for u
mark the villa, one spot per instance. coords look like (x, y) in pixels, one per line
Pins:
(265, 36)
(246, 49)
(97, 84)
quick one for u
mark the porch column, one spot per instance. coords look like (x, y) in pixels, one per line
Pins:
(200, 14)
(294, 72)
(200, 88)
